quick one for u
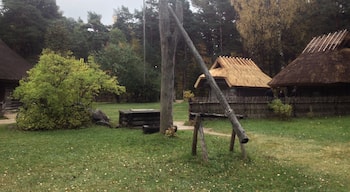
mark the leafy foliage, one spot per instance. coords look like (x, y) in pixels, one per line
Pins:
(284, 111)
(120, 59)
(171, 132)
(275, 32)
(188, 94)
(58, 92)
(217, 27)
(23, 24)
(57, 37)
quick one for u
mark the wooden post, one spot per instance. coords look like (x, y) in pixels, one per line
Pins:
(232, 144)
(166, 90)
(220, 96)
(244, 153)
(199, 128)
(204, 146)
(168, 42)
(233, 138)
(195, 136)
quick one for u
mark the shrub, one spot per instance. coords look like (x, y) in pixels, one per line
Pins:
(188, 95)
(283, 111)
(58, 92)
(171, 131)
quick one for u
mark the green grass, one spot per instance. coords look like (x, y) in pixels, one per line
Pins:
(326, 129)
(103, 159)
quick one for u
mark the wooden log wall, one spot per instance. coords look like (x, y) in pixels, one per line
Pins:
(319, 106)
(257, 107)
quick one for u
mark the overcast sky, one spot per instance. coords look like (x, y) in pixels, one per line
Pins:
(80, 8)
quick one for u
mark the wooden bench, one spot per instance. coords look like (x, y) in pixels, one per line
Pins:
(147, 119)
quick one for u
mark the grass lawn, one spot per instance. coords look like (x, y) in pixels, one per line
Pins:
(296, 155)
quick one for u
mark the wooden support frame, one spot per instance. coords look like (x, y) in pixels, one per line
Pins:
(198, 128)
(232, 145)
(237, 128)
(228, 110)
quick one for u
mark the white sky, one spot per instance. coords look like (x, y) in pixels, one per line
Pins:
(80, 8)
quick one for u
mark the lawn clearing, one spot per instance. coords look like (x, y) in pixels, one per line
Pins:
(103, 159)
(319, 144)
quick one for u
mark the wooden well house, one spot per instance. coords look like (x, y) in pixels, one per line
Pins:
(12, 68)
(242, 82)
(318, 80)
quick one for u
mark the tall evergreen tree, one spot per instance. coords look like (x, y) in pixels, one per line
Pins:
(218, 31)
(24, 22)
(57, 37)
(120, 59)
(97, 32)
(124, 22)
(325, 16)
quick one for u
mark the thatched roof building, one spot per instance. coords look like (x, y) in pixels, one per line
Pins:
(236, 72)
(12, 68)
(233, 74)
(325, 61)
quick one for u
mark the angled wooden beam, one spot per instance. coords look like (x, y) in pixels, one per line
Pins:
(243, 138)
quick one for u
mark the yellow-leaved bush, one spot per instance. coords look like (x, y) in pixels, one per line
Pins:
(58, 92)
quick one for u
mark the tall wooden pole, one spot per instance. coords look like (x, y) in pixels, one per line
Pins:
(166, 92)
(228, 110)
(168, 42)
(144, 42)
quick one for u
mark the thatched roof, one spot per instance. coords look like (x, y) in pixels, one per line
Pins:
(236, 72)
(325, 60)
(12, 66)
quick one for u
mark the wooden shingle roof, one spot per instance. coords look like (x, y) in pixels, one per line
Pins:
(12, 66)
(325, 60)
(238, 72)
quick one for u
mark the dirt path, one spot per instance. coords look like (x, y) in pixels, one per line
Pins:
(180, 126)
(9, 118)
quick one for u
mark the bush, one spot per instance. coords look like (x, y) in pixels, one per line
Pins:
(188, 95)
(283, 111)
(171, 131)
(58, 92)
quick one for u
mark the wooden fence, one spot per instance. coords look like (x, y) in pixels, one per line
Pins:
(257, 107)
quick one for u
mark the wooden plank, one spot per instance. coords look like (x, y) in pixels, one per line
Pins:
(233, 139)
(139, 117)
(339, 37)
(315, 44)
(307, 48)
(325, 42)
